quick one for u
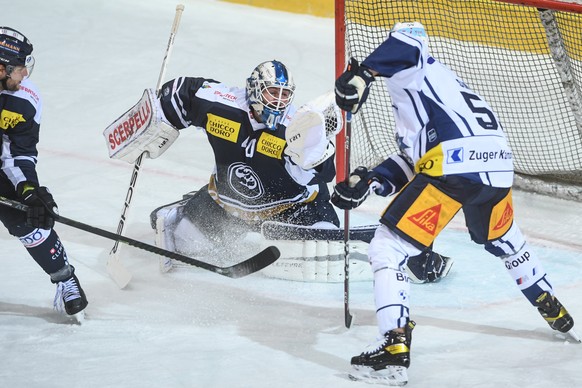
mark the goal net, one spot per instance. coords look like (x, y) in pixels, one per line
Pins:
(523, 56)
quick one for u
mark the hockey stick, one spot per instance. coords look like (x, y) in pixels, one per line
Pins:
(273, 230)
(253, 264)
(347, 315)
(115, 268)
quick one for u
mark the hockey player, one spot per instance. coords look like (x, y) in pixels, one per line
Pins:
(462, 161)
(264, 170)
(20, 107)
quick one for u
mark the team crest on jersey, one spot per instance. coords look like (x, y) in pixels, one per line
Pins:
(244, 180)
(223, 128)
(270, 145)
(428, 215)
(501, 217)
(10, 119)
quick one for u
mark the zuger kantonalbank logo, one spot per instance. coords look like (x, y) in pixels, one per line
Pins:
(243, 180)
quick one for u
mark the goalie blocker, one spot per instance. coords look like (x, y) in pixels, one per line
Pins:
(142, 129)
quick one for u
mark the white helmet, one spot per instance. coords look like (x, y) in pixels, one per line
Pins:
(414, 29)
(270, 90)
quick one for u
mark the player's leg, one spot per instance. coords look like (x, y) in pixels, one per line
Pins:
(409, 225)
(490, 222)
(46, 248)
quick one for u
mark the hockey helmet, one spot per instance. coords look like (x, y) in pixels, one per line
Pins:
(270, 90)
(15, 50)
(413, 29)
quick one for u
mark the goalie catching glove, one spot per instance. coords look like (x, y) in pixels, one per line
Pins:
(353, 86)
(350, 194)
(311, 132)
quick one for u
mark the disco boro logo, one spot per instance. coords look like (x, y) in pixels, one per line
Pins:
(244, 181)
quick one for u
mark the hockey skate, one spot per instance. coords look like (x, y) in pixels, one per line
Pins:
(556, 315)
(386, 363)
(428, 267)
(70, 297)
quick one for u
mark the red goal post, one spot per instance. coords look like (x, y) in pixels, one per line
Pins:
(524, 57)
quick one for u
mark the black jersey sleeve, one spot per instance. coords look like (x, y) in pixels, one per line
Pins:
(179, 102)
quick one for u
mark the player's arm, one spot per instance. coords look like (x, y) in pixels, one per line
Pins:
(385, 179)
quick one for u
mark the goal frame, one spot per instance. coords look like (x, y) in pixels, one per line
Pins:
(572, 190)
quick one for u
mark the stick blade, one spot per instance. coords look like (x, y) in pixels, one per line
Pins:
(117, 271)
(254, 264)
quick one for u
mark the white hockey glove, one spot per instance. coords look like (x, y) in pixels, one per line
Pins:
(142, 128)
(311, 132)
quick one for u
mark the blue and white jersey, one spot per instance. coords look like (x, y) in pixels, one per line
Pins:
(442, 125)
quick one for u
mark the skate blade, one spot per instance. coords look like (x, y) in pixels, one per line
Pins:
(574, 335)
(75, 319)
(392, 375)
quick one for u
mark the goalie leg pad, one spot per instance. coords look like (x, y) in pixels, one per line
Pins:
(318, 261)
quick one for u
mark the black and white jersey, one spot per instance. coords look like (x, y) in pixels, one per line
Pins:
(442, 125)
(253, 178)
(20, 113)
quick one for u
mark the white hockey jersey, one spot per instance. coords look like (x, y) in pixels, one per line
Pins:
(441, 124)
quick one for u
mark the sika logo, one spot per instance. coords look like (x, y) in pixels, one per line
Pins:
(427, 219)
(506, 217)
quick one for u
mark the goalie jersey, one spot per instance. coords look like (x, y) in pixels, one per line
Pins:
(253, 179)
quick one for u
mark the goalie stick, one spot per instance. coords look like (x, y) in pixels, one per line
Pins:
(274, 230)
(115, 268)
(251, 265)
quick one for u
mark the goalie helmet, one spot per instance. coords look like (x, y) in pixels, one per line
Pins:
(15, 50)
(270, 90)
(414, 29)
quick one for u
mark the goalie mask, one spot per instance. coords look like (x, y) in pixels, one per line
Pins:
(413, 29)
(270, 90)
(15, 50)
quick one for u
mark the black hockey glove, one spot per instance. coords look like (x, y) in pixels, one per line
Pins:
(350, 194)
(42, 209)
(352, 87)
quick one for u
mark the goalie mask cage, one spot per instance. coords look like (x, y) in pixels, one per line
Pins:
(524, 57)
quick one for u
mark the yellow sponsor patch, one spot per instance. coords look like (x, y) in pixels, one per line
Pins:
(428, 215)
(9, 119)
(270, 145)
(223, 128)
(501, 217)
(431, 163)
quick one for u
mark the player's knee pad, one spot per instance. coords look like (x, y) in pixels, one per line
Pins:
(388, 250)
(508, 244)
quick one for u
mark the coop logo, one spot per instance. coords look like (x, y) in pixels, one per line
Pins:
(455, 155)
(244, 181)
(516, 262)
